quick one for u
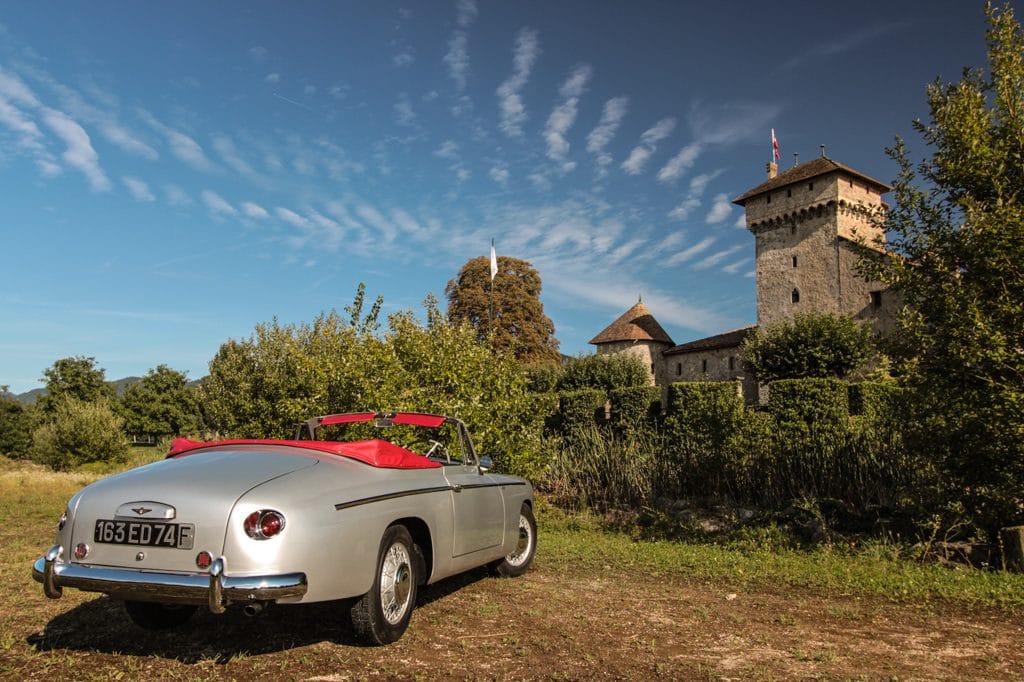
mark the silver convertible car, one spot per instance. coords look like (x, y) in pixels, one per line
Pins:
(404, 501)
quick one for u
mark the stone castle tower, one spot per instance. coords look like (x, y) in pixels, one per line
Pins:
(805, 223)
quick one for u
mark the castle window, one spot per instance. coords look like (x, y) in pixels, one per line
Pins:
(810, 186)
(732, 363)
(876, 299)
(679, 369)
(794, 261)
(795, 296)
(704, 366)
(789, 192)
(769, 200)
(792, 229)
(652, 368)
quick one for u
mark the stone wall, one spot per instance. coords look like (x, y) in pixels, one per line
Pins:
(649, 352)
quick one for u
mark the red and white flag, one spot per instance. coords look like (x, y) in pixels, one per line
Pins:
(775, 146)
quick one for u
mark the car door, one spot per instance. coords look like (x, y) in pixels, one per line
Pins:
(478, 506)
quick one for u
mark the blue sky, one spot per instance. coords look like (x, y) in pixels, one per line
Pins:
(172, 174)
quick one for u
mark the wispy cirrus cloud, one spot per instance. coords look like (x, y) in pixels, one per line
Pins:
(680, 163)
(637, 159)
(611, 117)
(720, 209)
(253, 210)
(79, 153)
(689, 252)
(698, 184)
(716, 258)
(183, 147)
(457, 57)
(138, 189)
(404, 113)
(510, 103)
(176, 196)
(217, 205)
(841, 45)
(564, 115)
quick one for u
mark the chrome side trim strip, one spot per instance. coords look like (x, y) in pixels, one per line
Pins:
(391, 496)
(421, 491)
(185, 588)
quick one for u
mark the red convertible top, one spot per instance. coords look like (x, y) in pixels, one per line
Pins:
(375, 452)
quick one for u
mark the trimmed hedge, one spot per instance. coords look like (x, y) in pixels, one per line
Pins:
(582, 408)
(872, 399)
(635, 406)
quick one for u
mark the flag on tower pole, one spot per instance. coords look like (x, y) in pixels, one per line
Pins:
(494, 262)
(775, 146)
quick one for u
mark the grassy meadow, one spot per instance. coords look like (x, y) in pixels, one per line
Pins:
(574, 546)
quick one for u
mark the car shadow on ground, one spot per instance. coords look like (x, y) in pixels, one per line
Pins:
(102, 626)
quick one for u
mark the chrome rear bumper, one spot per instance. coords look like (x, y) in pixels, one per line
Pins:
(216, 590)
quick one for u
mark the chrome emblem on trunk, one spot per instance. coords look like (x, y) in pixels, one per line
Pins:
(149, 509)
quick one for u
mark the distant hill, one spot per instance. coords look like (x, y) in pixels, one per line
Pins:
(30, 397)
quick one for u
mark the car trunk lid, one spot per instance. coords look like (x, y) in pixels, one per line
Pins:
(160, 516)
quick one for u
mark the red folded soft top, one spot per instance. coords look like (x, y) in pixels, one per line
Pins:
(375, 452)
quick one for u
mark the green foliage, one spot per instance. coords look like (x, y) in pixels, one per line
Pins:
(15, 428)
(543, 377)
(262, 386)
(875, 399)
(161, 404)
(812, 411)
(581, 409)
(703, 449)
(79, 433)
(635, 407)
(77, 378)
(606, 372)
(956, 254)
(507, 313)
(594, 469)
(811, 345)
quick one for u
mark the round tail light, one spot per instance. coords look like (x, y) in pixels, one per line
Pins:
(264, 524)
(203, 560)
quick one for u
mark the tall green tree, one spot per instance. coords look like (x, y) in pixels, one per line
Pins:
(810, 346)
(263, 385)
(507, 313)
(15, 426)
(956, 252)
(75, 377)
(160, 404)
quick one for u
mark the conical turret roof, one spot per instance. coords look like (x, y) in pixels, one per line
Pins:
(636, 324)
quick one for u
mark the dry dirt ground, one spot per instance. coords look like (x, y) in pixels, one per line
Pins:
(549, 624)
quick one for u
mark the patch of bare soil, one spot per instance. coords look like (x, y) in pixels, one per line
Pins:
(546, 625)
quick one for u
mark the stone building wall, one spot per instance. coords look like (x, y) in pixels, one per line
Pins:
(715, 364)
(649, 352)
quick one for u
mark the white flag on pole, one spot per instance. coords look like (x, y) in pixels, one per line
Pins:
(494, 262)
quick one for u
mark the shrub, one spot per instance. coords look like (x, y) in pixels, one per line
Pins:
(581, 409)
(811, 345)
(635, 406)
(15, 428)
(704, 448)
(616, 370)
(80, 432)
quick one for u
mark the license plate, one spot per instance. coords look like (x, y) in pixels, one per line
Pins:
(146, 533)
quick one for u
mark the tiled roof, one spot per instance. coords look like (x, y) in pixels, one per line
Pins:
(806, 171)
(726, 340)
(636, 324)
